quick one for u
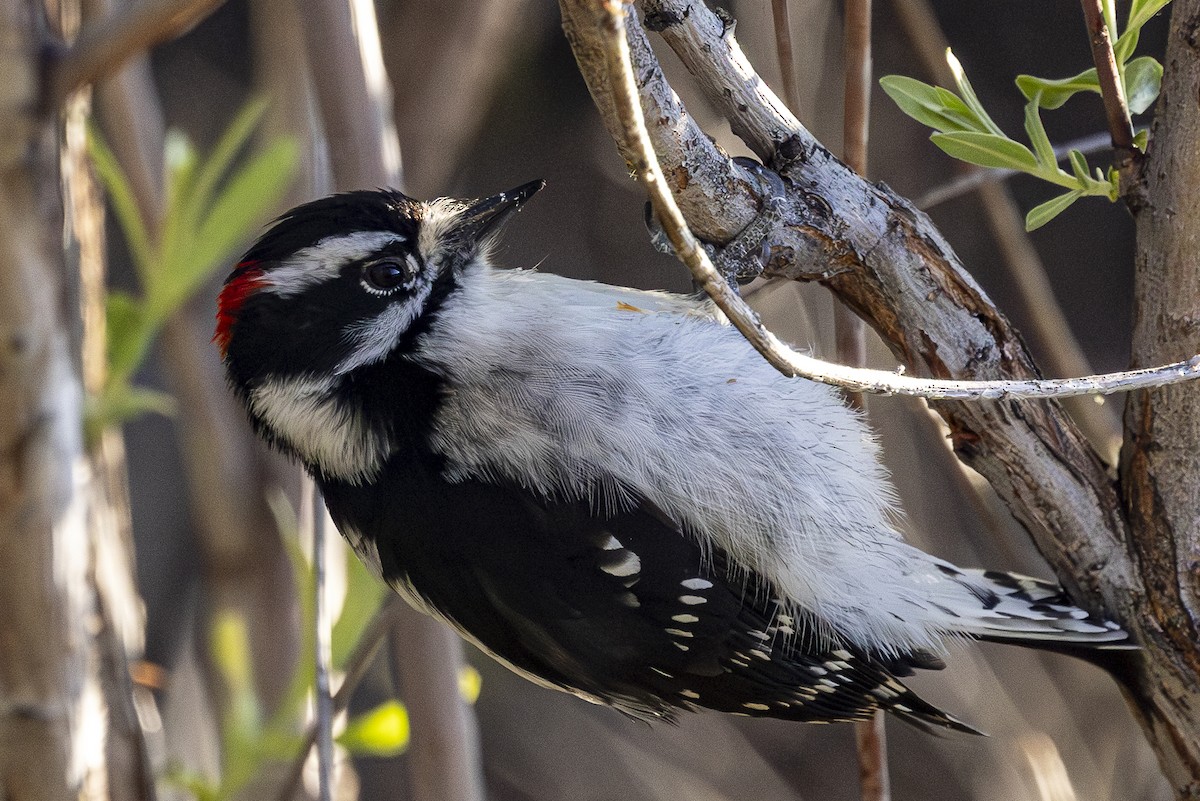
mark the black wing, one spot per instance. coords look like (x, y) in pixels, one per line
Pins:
(620, 607)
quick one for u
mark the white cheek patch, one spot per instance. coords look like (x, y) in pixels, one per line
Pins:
(324, 431)
(371, 340)
(323, 261)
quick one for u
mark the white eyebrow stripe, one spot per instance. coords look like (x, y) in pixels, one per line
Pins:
(321, 262)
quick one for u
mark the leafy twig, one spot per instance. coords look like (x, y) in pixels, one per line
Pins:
(978, 176)
(644, 160)
(1112, 87)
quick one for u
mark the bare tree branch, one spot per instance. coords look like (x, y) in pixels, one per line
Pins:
(783, 51)
(101, 49)
(812, 246)
(882, 256)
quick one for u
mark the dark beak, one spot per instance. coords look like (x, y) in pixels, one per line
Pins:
(482, 222)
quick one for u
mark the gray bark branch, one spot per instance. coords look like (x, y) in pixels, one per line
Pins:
(885, 259)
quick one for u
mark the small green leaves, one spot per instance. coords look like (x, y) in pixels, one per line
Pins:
(964, 130)
(1142, 76)
(209, 211)
(986, 150)
(1140, 12)
(1054, 93)
(1041, 214)
(1143, 80)
(930, 105)
(968, 94)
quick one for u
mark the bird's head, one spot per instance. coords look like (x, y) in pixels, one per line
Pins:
(334, 288)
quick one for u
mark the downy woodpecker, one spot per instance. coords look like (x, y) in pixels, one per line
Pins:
(607, 490)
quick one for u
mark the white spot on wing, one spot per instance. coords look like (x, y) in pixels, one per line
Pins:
(696, 584)
(692, 600)
(629, 565)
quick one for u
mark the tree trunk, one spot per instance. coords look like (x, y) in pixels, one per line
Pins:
(1160, 465)
(67, 723)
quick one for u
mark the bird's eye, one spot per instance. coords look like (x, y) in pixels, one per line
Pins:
(385, 275)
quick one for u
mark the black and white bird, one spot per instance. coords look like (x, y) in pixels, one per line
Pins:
(607, 490)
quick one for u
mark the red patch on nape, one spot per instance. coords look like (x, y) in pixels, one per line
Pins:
(247, 278)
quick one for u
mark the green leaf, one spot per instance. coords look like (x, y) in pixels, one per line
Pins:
(200, 787)
(1141, 139)
(125, 325)
(1053, 93)
(1037, 135)
(1125, 45)
(1143, 79)
(242, 722)
(1079, 166)
(384, 731)
(303, 677)
(251, 194)
(181, 161)
(120, 402)
(1109, 10)
(1140, 12)
(1044, 213)
(967, 92)
(933, 106)
(987, 150)
(136, 401)
(120, 192)
(219, 161)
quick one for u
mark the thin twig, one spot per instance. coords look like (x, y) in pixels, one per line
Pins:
(1112, 88)
(322, 652)
(978, 176)
(873, 779)
(783, 52)
(105, 46)
(357, 665)
(850, 331)
(856, 115)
